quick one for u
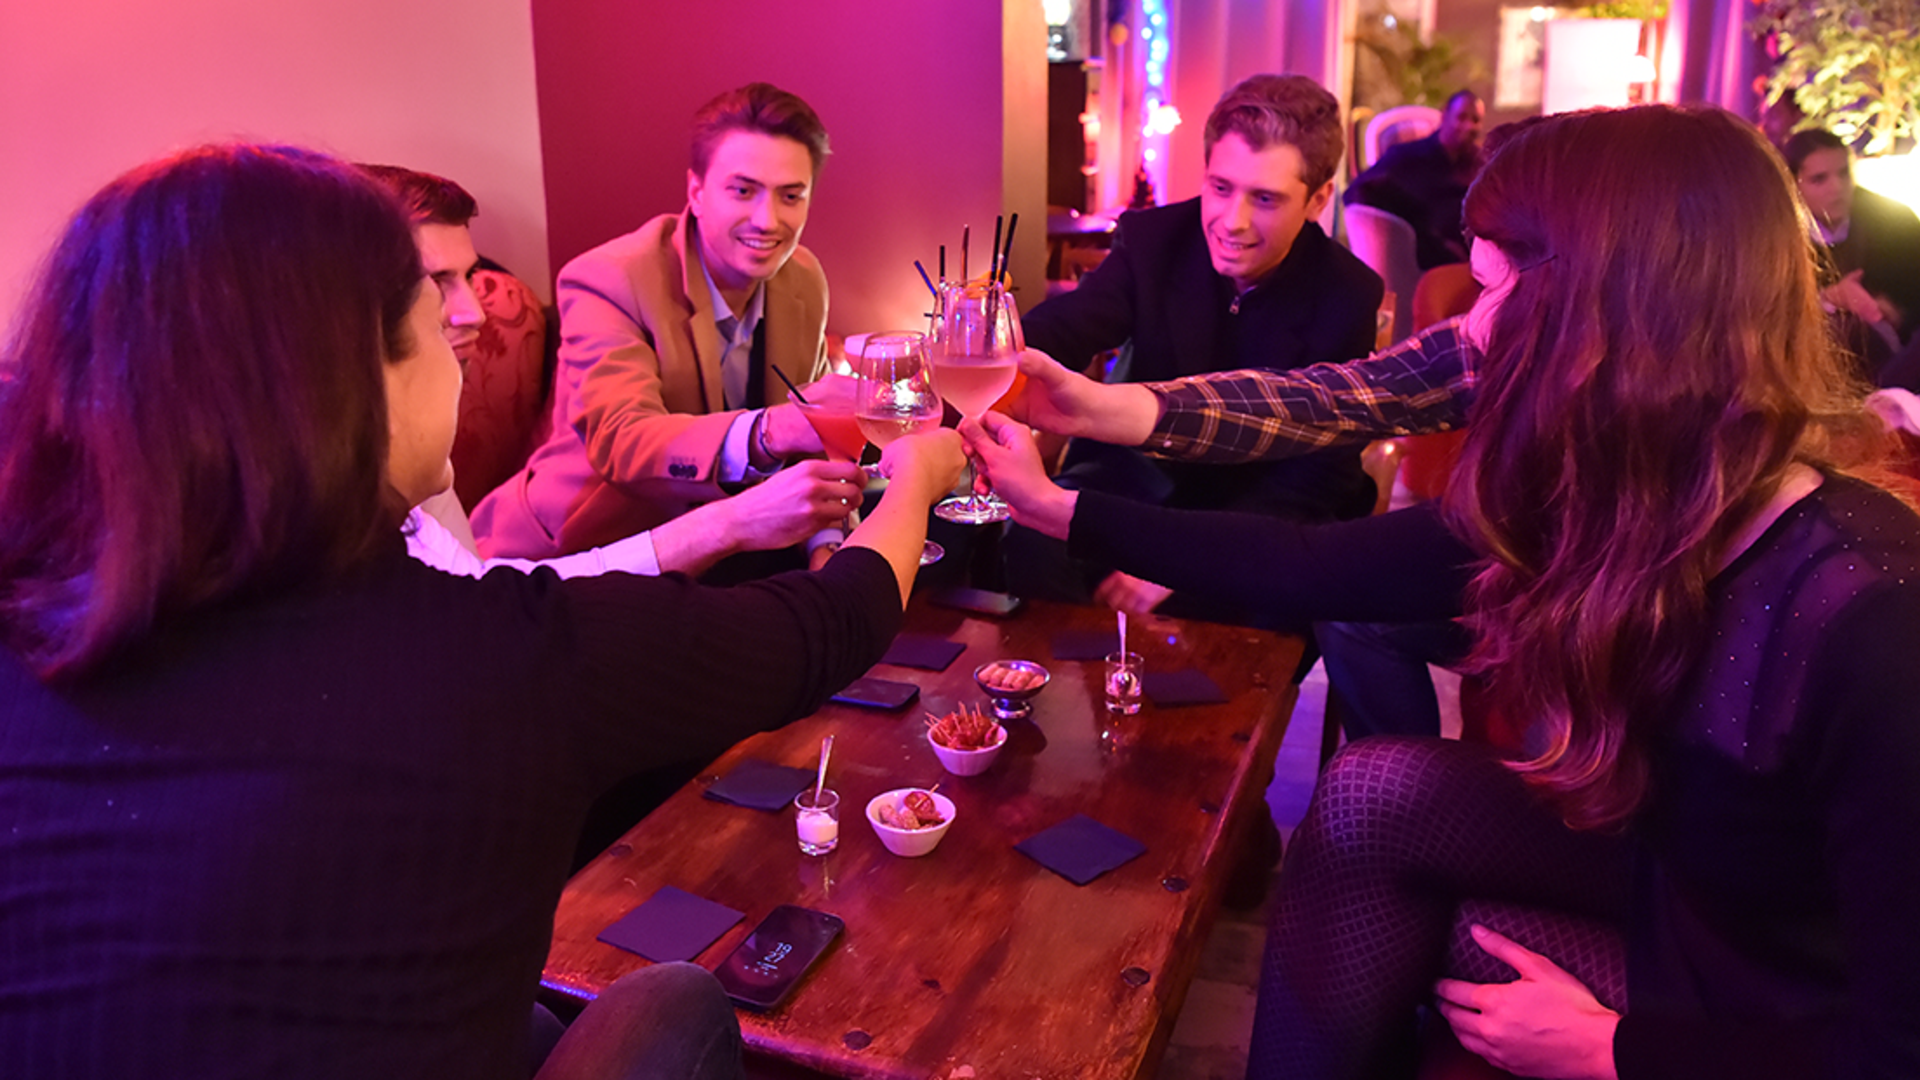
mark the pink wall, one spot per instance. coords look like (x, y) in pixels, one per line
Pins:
(90, 88)
(913, 95)
(1217, 43)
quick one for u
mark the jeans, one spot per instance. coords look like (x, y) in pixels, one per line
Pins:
(665, 1022)
(1380, 672)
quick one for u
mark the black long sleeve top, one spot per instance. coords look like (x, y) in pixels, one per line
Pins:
(1773, 931)
(323, 835)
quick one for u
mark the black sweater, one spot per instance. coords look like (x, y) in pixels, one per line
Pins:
(324, 835)
(1158, 294)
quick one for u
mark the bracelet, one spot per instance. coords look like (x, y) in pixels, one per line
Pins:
(759, 436)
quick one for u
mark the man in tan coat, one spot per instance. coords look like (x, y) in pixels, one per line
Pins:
(665, 398)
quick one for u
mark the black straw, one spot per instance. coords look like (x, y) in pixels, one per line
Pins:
(943, 262)
(993, 253)
(925, 278)
(966, 244)
(794, 390)
(1006, 255)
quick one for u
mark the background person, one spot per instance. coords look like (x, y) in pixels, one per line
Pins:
(1421, 181)
(284, 801)
(1872, 243)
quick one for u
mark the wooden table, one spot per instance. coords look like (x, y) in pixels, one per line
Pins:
(975, 956)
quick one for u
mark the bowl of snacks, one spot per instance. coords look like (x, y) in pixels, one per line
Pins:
(966, 741)
(910, 821)
(1011, 684)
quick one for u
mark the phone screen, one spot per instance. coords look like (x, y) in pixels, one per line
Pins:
(760, 972)
(977, 600)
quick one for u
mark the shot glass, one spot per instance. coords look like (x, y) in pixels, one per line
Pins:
(818, 822)
(1122, 682)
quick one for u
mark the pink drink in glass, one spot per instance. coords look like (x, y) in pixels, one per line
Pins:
(839, 433)
(882, 428)
(973, 383)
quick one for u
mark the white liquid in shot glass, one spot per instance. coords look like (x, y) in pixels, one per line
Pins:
(817, 820)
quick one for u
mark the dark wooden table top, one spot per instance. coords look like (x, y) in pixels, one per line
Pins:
(976, 957)
(1063, 226)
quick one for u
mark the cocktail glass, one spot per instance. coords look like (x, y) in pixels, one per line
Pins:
(895, 396)
(834, 423)
(975, 362)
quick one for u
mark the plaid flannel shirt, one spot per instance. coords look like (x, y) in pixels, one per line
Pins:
(1420, 386)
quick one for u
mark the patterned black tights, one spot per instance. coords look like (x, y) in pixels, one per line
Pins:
(1407, 842)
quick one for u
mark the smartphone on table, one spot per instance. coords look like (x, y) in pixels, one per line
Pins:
(979, 601)
(760, 973)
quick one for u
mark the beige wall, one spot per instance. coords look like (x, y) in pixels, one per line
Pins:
(89, 88)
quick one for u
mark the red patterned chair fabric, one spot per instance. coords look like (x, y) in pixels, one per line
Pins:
(503, 404)
(1427, 460)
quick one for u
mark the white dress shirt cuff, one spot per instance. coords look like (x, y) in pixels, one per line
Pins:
(430, 542)
(736, 453)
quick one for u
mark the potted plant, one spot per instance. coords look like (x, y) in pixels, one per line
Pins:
(1852, 66)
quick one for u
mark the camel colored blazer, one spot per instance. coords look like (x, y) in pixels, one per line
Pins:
(637, 418)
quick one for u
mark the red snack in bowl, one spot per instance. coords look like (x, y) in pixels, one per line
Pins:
(966, 729)
(921, 805)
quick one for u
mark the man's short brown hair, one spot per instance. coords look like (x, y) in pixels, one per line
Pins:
(1291, 109)
(758, 107)
(428, 199)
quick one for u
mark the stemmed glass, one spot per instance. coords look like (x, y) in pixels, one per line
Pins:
(840, 435)
(896, 396)
(975, 361)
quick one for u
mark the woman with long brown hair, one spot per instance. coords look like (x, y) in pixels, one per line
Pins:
(1708, 859)
(275, 799)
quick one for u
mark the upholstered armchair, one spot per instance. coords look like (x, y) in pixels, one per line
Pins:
(503, 404)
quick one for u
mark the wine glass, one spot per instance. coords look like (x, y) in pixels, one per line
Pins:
(895, 396)
(975, 363)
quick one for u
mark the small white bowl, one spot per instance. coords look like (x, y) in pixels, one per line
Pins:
(911, 843)
(967, 762)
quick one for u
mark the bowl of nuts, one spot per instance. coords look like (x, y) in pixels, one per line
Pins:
(910, 821)
(965, 740)
(1011, 684)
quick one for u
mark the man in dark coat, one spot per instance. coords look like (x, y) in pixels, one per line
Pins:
(1239, 277)
(1423, 181)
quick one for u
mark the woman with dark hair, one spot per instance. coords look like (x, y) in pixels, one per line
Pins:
(1708, 860)
(278, 800)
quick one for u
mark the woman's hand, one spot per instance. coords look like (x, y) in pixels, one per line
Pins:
(1545, 1024)
(1064, 402)
(927, 464)
(1004, 451)
(919, 470)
